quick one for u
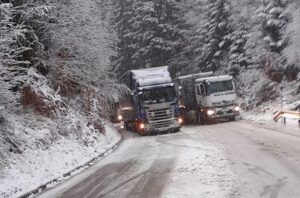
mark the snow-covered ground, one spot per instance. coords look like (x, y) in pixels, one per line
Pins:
(201, 170)
(172, 165)
(37, 167)
(234, 159)
(265, 114)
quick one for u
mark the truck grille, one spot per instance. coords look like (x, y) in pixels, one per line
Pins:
(224, 110)
(160, 118)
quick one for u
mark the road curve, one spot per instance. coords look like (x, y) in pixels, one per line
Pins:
(234, 159)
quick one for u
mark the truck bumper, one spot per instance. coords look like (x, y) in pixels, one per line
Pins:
(171, 128)
(232, 115)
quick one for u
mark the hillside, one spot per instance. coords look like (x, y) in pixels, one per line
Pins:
(54, 82)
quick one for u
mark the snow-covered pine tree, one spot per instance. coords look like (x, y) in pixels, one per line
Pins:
(185, 61)
(273, 24)
(150, 34)
(168, 33)
(123, 27)
(144, 23)
(215, 35)
(293, 45)
(237, 54)
(274, 19)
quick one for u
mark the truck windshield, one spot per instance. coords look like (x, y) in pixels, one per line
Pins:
(158, 95)
(221, 86)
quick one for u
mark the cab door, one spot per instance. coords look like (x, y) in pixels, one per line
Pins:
(200, 94)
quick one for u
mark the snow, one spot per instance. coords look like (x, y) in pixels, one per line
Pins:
(39, 166)
(152, 76)
(154, 81)
(169, 166)
(201, 170)
(84, 32)
(264, 115)
(151, 72)
(35, 148)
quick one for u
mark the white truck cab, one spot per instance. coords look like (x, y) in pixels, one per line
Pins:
(216, 97)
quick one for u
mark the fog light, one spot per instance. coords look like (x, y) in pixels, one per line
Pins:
(142, 126)
(237, 108)
(180, 120)
(120, 117)
(210, 112)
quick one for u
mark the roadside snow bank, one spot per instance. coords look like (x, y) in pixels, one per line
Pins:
(37, 166)
(264, 114)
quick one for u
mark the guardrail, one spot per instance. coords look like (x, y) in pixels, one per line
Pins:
(287, 114)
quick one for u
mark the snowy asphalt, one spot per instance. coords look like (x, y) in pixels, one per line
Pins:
(234, 159)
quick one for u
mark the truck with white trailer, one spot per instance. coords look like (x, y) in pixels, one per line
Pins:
(152, 105)
(209, 97)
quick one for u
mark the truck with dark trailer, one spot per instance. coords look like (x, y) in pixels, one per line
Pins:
(151, 106)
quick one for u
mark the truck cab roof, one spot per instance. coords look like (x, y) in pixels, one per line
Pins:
(151, 76)
(214, 78)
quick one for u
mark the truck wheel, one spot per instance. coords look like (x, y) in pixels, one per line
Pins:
(232, 118)
(134, 128)
(201, 119)
(208, 120)
(141, 133)
(126, 126)
(176, 130)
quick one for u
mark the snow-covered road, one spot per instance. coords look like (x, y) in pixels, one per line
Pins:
(235, 159)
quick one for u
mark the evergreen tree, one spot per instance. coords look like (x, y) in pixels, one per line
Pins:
(185, 61)
(273, 22)
(123, 14)
(150, 34)
(237, 54)
(215, 35)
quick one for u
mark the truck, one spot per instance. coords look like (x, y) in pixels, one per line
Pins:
(151, 106)
(206, 98)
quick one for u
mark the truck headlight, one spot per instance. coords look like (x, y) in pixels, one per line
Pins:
(120, 117)
(237, 108)
(210, 112)
(179, 120)
(142, 126)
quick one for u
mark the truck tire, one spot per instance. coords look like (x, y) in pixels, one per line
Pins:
(204, 119)
(232, 118)
(207, 120)
(126, 126)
